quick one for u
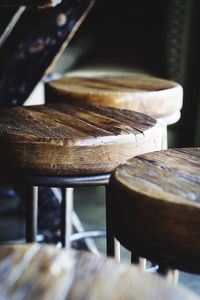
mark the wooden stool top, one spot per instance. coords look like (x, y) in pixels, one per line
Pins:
(150, 95)
(64, 139)
(157, 195)
(45, 272)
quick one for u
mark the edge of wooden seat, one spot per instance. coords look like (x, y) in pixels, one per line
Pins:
(64, 139)
(152, 219)
(152, 96)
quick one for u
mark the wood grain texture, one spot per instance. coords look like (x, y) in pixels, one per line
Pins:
(44, 272)
(150, 95)
(68, 139)
(34, 3)
(38, 39)
(156, 197)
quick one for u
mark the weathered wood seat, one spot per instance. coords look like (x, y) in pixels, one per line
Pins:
(64, 140)
(154, 207)
(149, 95)
(46, 272)
(162, 99)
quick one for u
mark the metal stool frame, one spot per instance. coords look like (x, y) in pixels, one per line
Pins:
(66, 183)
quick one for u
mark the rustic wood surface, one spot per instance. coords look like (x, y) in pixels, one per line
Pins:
(33, 46)
(68, 139)
(44, 272)
(155, 206)
(34, 3)
(139, 92)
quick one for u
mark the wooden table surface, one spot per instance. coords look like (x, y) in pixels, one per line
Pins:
(45, 272)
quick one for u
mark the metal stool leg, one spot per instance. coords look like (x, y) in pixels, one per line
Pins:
(135, 259)
(76, 223)
(164, 137)
(31, 214)
(80, 229)
(175, 276)
(142, 263)
(117, 251)
(110, 240)
(171, 275)
(66, 216)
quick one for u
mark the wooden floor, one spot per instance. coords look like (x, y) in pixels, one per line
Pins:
(89, 203)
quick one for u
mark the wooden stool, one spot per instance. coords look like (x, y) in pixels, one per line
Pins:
(66, 145)
(159, 98)
(154, 207)
(53, 273)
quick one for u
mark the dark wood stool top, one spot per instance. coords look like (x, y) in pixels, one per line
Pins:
(150, 95)
(65, 139)
(45, 272)
(155, 201)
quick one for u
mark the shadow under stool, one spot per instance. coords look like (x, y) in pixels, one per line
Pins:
(154, 207)
(65, 145)
(159, 98)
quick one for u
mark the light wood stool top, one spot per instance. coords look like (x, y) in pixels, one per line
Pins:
(65, 139)
(44, 272)
(150, 95)
(155, 206)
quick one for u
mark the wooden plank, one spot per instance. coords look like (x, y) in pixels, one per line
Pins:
(37, 40)
(32, 3)
(39, 272)
(66, 139)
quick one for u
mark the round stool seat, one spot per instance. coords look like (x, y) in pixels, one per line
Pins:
(155, 206)
(65, 139)
(142, 93)
(46, 272)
